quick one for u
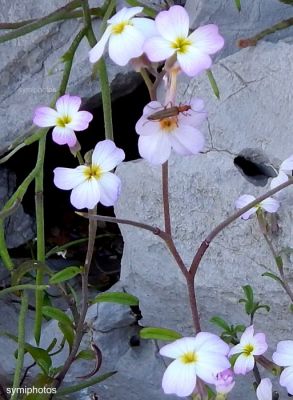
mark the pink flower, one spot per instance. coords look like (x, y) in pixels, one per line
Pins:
(158, 137)
(126, 36)
(204, 356)
(264, 390)
(250, 345)
(224, 381)
(284, 357)
(192, 50)
(93, 183)
(65, 120)
(270, 205)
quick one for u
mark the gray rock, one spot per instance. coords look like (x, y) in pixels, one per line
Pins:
(252, 113)
(255, 16)
(19, 227)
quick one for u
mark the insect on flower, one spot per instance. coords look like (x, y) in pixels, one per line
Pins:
(167, 112)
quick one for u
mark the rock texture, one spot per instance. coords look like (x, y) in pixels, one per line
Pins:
(253, 112)
(255, 16)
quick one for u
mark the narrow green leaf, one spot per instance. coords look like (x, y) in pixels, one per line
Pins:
(116, 297)
(273, 276)
(85, 384)
(58, 315)
(265, 306)
(52, 345)
(279, 262)
(159, 334)
(150, 12)
(65, 275)
(248, 293)
(26, 286)
(290, 2)
(238, 4)
(86, 355)
(68, 333)
(220, 323)
(213, 83)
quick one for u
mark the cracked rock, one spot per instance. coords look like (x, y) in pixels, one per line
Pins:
(253, 112)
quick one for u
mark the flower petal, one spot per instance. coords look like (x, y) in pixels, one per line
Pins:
(243, 201)
(107, 156)
(243, 364)
(207, 39)
(247, 335)
(68, 105)
(179, 379)
(264, 389)
(281, 178)
(68, 178)
(194, 61)
(209, 365)
(287, 165)
(158, 49)
(211, 342)
(146, 128)
(80, 121)
(86, 195)
(286, 379)
(110, 186)
(146, 26)
(45, 117)
(195, 116)
(97, 51)
(284, 353)
(173, 24)
(270, 205)
(236, 349)
(187, 140)
(155, 148)
(126, 45)
(179, 347)
(64, 136)
(259, 343)
(125, 14)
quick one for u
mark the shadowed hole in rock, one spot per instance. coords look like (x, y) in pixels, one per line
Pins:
(255, 166)
(62, 225)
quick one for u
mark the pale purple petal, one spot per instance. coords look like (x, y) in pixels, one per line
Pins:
(243, 364)
(179, 347)
(186, 140)
(259, 343)
(80, 121)
(146, 26)
(270, 205)
(155, 148)
(173, 24)
(247, 335)
(287, 165)
(284, 353)
(211, 342)
(207, 39)
(45, 117)
(110, 189)
(236, 349)
(97, 51)
(107, 156)
(286, 379)
(152, 107)
(126, 45)
(243, 201)
(146, 128)
(64, 136)
(125, 14)
(264, 389)
(86, 195)
(281, 178)
(210, 364)
(179, 379)
(68, 105)
(158, 49)
(195, 116)
(68, 178)
(194, 61)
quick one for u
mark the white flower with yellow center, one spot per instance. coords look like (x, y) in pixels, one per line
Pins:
(250, 345)
(192, 51)
(269, 205)
(283, 357)
(158, 137)
(204, 356)
(93, 183)
(126, 36)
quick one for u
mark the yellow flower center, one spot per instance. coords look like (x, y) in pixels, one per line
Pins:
(248, 349)
(117, 29)
(92, 172)
(169, 124)
(181, 45)
(188, 358)
(63, 121)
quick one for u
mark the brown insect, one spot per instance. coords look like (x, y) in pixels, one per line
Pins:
(167, 112)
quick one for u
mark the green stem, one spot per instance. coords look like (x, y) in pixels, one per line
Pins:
(48, 19)
(101, 67)
(84, 385)
(39, 205)
(21, 344)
